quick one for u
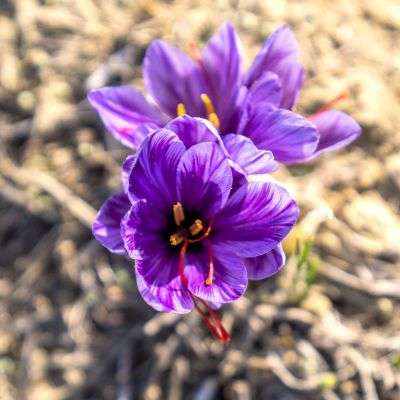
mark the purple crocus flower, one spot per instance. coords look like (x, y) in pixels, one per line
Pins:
(192, 235)
(213, 85)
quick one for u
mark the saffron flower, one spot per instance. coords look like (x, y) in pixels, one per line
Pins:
(193, 235)
(213, 85)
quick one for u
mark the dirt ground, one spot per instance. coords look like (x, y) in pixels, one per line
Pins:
(72, 324)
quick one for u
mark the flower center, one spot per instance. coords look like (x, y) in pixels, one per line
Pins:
(210, 110)
(186, 234)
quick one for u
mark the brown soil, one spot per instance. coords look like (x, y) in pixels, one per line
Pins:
(72, 324)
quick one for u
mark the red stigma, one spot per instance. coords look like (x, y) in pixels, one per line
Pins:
(210, 275)
(194, 52)
(329, 105)
(211, 320)
(214, 323)
(182, 263)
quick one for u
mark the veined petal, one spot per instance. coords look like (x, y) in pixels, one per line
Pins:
(267, 89)
(292, 77)
(204, 179)
(171, 77)
(193, 130)
(125, 172)
(264, 266)
(147, 296)
(141, 230)
(160, 274)
(229, 278)
(123, 110)
(278, 54)
(106, 227)
(290, 137)
(222, 62)
(255, 219)
(336, 129)
(153, 176)
(242, 151)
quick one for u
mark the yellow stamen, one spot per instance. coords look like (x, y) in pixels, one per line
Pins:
(211, 114)
(196, 228)
(208, 103)
(180, 110)
(213, 117)
(176, 239)
(179, 215)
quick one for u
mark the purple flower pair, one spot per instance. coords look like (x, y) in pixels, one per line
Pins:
(196, 227)
(193, 224)
(212, 85)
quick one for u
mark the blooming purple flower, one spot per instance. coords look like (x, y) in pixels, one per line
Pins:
(256, 104)
(192, 234)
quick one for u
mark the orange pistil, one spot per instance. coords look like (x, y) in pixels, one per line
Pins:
(205, 235)
(213, 323)
(329, 105)
(211, 320)
(210, 275)
(182, 263)
(194, 51)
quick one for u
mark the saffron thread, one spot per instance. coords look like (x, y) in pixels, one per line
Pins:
(329, 105)
(213, 322)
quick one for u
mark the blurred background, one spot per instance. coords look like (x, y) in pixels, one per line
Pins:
(72, 324)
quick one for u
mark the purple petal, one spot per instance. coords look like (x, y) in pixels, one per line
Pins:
(125, 172)
(214, 305)
(160, 274)
(222, 62)
(193, 130)
(242, 151)
(204, 179)
(148, 297)
(123, 110)
(153, 177)
(255, 219)
(229, 278)
(172, 77)
(278, 54)
(292, 77)
(106, 227)
(336, 130)
(264, 266)
(291, 137)
(142, 230)
(267, 89)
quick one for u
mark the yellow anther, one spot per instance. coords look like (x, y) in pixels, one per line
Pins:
(211, 114)
(176, 239)
(208, 103)
(180, 110)
(196, 228)
(214, 119)
(179, 215)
